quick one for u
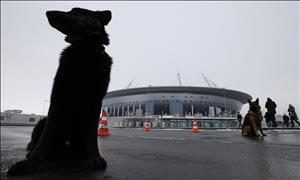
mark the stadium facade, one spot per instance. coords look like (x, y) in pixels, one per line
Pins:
(174, 106)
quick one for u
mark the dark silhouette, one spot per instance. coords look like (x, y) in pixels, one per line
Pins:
(252, 121)
(81, 81)
(293, 115)
(36, 134)
(267, 116)
(239, 118)
(271, 108)
(286, 120)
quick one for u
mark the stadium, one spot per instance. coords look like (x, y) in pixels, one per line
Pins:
(174, 106)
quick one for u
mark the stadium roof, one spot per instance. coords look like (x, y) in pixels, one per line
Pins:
(237, 95)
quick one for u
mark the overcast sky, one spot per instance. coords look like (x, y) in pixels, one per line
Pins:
(251, 47)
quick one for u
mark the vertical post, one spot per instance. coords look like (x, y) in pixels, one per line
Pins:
(133, 109)
(192, 107)
(128, 110)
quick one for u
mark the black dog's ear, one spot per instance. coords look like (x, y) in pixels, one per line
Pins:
(105, 16)
(257, 101)
(249, 101)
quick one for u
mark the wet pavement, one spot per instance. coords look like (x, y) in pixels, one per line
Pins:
(174, 154)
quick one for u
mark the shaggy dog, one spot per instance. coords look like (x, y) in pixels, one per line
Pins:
(252, 122)
(70, 131)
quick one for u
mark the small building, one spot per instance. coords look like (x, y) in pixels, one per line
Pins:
(15, 117)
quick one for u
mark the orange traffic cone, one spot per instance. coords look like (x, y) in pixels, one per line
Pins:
(146, 126)
(103, 129)
(195, 128)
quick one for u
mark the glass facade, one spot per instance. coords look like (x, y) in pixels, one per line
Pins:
(149, 108)
(182, 123)
(173, 108)
(212, 123)
(176, 108)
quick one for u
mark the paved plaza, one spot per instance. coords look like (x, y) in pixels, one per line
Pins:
(174, 154)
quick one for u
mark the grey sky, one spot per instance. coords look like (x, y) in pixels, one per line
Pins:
(252, 47)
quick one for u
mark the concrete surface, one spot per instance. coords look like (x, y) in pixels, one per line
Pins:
(174, 154)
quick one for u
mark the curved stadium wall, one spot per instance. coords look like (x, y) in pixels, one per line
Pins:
(177, 101)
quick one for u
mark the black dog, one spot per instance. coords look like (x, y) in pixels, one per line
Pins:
(81, 82)
(36, 134)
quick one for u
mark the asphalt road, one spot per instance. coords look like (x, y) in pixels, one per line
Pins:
(174, 154)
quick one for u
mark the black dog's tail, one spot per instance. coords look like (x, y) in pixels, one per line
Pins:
(36, 134)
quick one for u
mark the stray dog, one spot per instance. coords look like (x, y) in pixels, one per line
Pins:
(70, 131)
(252, 122)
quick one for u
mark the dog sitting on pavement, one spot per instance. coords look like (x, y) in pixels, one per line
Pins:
(252, 121)
(69, 133)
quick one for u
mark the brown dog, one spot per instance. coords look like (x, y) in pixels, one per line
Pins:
(252, 122)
